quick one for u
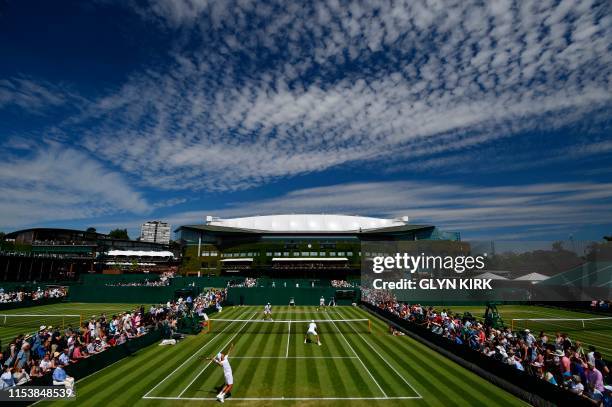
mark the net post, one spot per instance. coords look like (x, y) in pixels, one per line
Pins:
(512, 325)
(369, 326)
(582, 323)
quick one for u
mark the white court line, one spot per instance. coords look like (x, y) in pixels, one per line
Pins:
(288, 339)
(362, 364)
(186, 360)
(281, 398)
(385, 360)
(208, 364)
(294, 357)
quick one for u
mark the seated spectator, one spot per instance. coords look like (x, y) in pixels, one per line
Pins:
(60, 378)
(46, 364)
(20, 376)
(576, 386)
(63, 358)
(595, 377)
(35, 371)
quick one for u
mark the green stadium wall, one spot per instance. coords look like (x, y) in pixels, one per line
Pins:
(281, 296)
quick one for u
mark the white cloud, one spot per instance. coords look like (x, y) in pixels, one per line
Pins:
(56, 184)
(34, 96)
(268, 94)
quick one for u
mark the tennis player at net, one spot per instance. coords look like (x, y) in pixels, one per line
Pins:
(312, 330)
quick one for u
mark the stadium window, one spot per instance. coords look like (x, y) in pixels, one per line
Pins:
(322, 254)
(296, 254)
(313, 254)
(277, 254)
(340, 253)
(350, 254)
(205, 254)
(213, 254)
(305, 254)
(332, 254)
(269, 254)
(286, 254)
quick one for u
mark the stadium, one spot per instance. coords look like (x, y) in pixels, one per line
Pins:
(278, 302)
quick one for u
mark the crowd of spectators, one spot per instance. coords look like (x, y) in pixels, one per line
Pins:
(37, 295)
(51, 348)
(247, 282)
(601, 305)
(557, 359)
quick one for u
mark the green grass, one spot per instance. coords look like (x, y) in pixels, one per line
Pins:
(350, 364)
(596, 333)
(10, 327)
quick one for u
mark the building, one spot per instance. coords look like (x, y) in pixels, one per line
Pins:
(155, 232)
(304, 245)
(45, 254)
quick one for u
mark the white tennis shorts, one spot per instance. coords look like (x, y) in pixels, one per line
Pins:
(229, 378)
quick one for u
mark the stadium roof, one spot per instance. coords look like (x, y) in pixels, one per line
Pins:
(306, 223)
(140, 253)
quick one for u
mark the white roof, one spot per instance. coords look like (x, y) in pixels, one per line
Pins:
(532, 277)
(307, 223)
(309, 259)
(491, 276)
(140, 253)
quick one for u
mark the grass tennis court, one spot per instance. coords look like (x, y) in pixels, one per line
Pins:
(597, 333)
(272, 365)
(60, 314)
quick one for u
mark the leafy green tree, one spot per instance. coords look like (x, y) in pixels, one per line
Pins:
(119, 234)
(90, 230)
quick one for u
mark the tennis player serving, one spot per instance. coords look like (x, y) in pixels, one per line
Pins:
(222, 359)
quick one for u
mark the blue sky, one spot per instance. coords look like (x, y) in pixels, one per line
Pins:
(494, 121)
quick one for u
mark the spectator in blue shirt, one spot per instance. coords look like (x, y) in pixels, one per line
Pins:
(23, 356)
(60, 378)
(64, 359)
(6, 379)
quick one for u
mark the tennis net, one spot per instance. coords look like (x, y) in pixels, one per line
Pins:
(283, 326)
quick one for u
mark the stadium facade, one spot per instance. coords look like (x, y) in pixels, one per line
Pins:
(292, 245)
(44, 254)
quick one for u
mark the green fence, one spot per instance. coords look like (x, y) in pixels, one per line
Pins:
(282, 296)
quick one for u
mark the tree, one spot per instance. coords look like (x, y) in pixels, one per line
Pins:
(90, 230)
(119, 234)
(2, 235)
(608, 238)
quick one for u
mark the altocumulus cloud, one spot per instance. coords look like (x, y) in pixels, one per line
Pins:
(272, 89)
(59, 184)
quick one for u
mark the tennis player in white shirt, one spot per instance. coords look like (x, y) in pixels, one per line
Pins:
(222, 359)
(312, 330)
